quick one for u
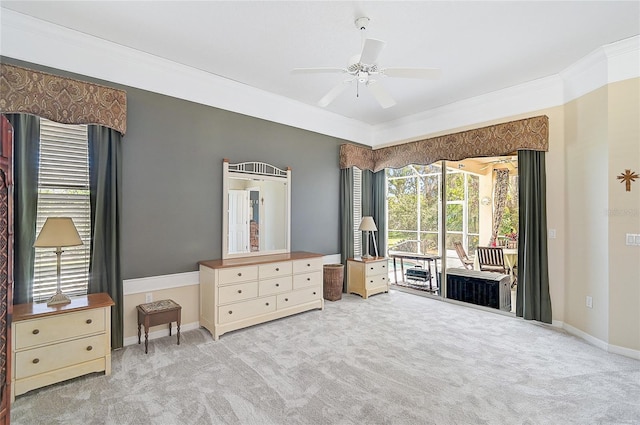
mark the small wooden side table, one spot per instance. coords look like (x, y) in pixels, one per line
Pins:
(158, 313)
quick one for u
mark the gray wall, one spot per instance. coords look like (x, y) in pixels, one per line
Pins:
(172, 179)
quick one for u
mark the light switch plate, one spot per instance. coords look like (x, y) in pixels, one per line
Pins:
(638, 240)
(552, 233)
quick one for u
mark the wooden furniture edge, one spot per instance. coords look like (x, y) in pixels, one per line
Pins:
(31, 310)
(257, 260)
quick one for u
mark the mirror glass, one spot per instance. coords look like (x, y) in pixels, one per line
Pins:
(256, 214)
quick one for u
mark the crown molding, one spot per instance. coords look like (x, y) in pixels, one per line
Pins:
(32, 40)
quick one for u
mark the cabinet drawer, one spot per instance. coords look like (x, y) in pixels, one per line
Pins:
(299, 297)
(30, 333)
(56, 356)
(379, 267)
(307, 279)
(246, 309)
(241, 291)
(274, 269)
(307, 265)
(375, 281)
(237, 274)
(274, 286)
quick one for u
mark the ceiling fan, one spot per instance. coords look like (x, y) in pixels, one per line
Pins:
(363, 69)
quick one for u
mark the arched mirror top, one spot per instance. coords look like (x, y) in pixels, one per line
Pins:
(256, 209)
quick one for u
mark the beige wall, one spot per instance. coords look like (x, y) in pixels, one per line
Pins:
(186, 296)
(624, 214)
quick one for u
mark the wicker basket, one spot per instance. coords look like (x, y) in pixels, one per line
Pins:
(332, 281)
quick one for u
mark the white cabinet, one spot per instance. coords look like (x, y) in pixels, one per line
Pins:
(367, 276)
(241, 292)
(53, 344)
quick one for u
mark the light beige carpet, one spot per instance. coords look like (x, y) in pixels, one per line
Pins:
(392, 359)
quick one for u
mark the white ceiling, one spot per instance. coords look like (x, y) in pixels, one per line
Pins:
(481, 46)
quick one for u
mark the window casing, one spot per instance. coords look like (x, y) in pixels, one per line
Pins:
(63, 191)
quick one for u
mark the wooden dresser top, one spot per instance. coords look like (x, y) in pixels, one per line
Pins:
(85, 302)
(261, 259)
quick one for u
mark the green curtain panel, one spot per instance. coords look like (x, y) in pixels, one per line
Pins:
(26, 157)
(105, 182)
(533, 299)
(379, 210)
(346, 218)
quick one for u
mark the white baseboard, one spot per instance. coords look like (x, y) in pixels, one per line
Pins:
(623, 351)
(161, 333)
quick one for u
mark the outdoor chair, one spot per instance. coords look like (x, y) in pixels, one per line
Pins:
(462, 254)
(491, 259)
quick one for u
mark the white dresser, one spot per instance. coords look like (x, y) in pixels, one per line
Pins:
(53, 344)
(367, 276)
(240, 292)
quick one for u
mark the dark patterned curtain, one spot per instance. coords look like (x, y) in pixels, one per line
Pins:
(499, 201)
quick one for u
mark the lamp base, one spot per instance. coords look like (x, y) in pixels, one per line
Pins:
(367, 256)
(58, 298)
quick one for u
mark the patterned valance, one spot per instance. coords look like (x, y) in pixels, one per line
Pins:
(61, 99)
(495, 140)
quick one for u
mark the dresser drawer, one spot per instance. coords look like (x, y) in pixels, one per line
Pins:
(308, 265)
(266, 271)
(274, 286)
(299, 297)
(246, 309)
(238, 292)
(377, 280)
(307, 279)
(237, 274)
(56, 356)
(379, 267)
(30, 333)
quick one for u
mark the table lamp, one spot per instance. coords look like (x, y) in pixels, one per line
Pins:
(58, 232)
(368, 225)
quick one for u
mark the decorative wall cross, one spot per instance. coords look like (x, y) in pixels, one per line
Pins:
(627, 177)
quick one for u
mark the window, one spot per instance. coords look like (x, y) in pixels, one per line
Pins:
(63, 191)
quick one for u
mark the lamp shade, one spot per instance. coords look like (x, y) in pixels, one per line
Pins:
(58, 232)
(367, 224)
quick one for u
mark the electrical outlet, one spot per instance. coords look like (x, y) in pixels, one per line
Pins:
(148, 297)
(638, 240)
(552, 233)
(630, 239)
(589, 302)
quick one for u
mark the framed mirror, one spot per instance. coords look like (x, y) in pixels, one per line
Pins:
(256, 209)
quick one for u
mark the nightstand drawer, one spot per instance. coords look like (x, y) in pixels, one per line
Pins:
(52, 357)
(233, 293)
(30, 333)
(379, 267)
(376, 281)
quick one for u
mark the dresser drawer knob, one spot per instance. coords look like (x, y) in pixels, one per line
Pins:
(89, 348)
(89, 321)
(286, 299)
(239, 291)
(277, 269)
(36, 361)
(239, 274)
(314, 292)
(277, 284)
(308, 278)
(308, 265)
(230, 312)
(266, 304)
(36, 331)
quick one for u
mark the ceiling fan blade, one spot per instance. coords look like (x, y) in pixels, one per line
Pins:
(371, 50)
(423, 73)
(333, 93)
(380, 93)
(318, 71)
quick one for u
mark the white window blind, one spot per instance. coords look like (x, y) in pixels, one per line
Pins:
(63, 191)
(357, 211)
